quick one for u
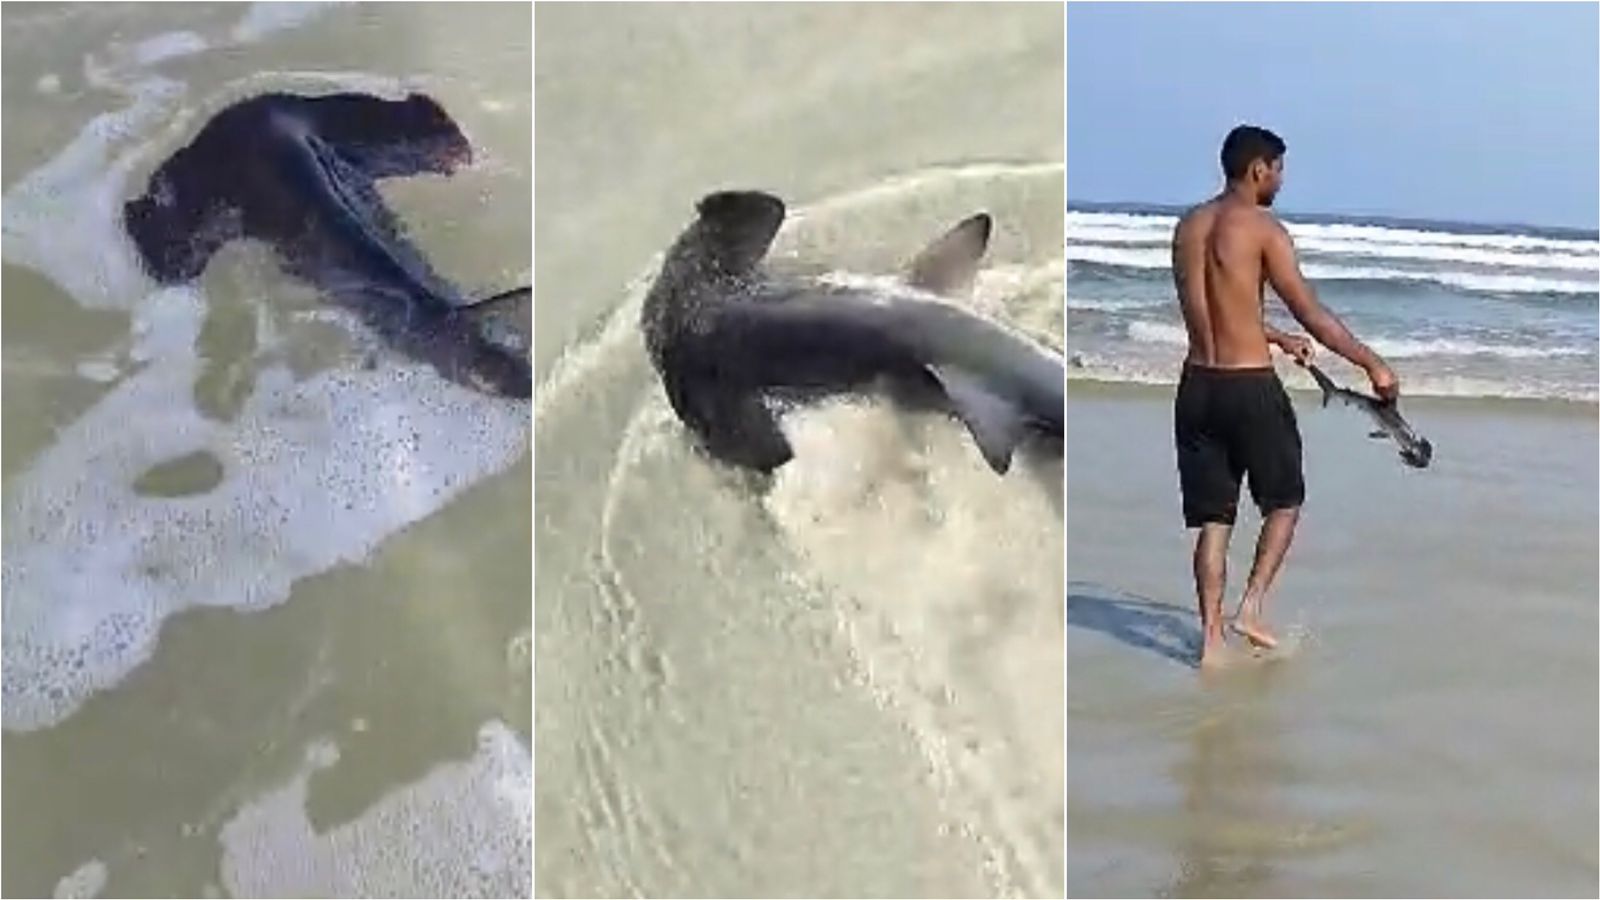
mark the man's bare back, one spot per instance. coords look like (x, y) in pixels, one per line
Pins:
(1217, 254)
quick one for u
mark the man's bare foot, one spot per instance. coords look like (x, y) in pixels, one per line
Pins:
(1253, 631)
(1213, 653)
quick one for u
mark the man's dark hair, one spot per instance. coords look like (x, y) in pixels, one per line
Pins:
(1246, 144)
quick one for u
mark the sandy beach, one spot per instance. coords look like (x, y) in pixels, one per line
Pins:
(1428, 728)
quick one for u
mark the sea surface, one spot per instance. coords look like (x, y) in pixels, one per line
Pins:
(1456, 309)
(266, 624)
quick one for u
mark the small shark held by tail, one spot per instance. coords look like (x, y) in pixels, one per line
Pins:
(1415, 450)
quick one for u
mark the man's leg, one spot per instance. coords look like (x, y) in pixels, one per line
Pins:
(1277, 532)
(1210, 578)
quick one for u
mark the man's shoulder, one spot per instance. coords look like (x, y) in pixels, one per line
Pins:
(1253, 220)
(1203, 210)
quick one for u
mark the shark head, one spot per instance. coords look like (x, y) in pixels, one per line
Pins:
(736, 228)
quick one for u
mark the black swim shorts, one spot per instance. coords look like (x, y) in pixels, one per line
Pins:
(1230, 423)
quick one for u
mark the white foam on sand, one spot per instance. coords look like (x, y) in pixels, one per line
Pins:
(263, 19)
(87, 880)
(172, 45)
(316, 472)
(950, 583)
(464, 830)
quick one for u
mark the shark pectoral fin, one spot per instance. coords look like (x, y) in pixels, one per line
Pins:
(995, 423)
(948, 265)
(1380, 434)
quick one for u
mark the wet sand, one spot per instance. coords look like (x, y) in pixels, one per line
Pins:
(1428, 728)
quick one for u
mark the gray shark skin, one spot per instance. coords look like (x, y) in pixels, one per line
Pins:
(298, 173)
(728, 340)
(1415, 450)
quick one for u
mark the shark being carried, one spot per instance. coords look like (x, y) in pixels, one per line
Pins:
(298, 173)
(1415, 450)
(728, 339)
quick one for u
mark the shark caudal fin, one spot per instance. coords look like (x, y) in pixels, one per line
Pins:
(949, 264)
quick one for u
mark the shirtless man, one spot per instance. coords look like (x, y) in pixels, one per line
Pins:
(1232, 417)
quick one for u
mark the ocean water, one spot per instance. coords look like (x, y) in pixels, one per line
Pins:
(265, 605)
(847, 682)
(1456, 309)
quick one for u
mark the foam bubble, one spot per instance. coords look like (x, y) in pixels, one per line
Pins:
(463, 830)
(172, 45)
(263, 19)
(102, 370)
(88, 880)
(316, 473)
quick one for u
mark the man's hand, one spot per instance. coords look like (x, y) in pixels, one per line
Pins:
(1384, 382)
(1296, 345)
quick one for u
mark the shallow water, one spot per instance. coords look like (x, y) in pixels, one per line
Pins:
(1429, 728)
(265, 605)
(846, 682)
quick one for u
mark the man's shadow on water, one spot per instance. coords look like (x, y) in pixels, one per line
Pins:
(1161, 628)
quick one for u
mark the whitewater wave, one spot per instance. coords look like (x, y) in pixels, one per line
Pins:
(1398, 348)
(1156, 258)
(1104, 369)
(1133, 226)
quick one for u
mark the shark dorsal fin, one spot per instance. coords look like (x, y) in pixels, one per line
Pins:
(948, 265)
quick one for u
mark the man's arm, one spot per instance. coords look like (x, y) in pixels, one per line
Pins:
(1274, 336)
(1297, 346)
(1283, 273)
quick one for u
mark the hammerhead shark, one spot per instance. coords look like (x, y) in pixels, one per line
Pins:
(727, 338)
(298, 173)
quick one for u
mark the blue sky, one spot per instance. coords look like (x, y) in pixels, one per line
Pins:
(1467, 112)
